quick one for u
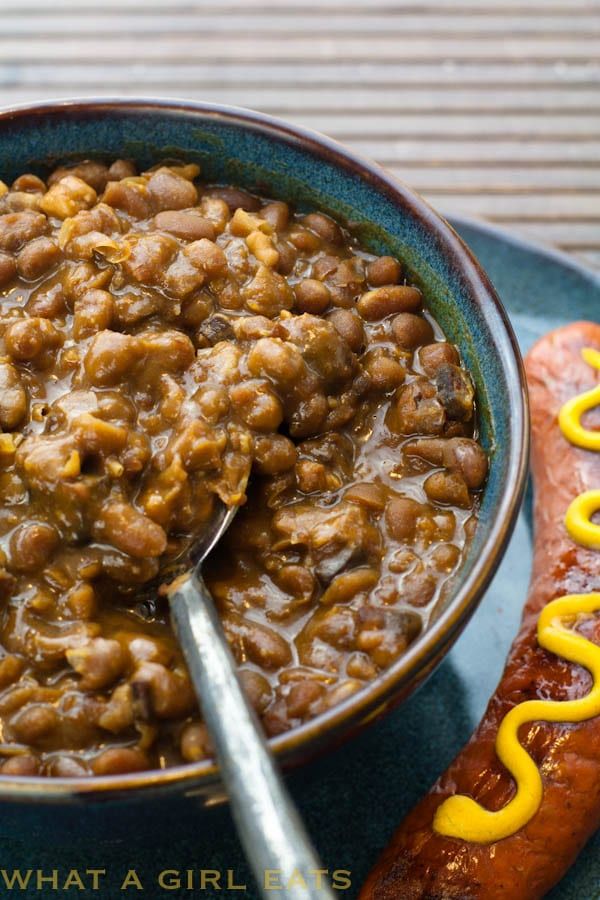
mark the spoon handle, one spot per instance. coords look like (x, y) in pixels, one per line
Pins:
(270, 829)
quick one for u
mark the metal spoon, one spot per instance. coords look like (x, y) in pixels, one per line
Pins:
(270, 829)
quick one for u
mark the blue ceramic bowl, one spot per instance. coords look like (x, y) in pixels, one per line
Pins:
(280, 160)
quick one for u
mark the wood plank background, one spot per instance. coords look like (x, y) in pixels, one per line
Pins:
(491, 108)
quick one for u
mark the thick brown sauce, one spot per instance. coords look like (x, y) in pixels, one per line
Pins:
(160, 341)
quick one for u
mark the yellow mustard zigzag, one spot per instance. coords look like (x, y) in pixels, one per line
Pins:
(461, 816)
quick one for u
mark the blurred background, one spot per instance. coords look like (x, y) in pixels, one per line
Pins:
(491, 108)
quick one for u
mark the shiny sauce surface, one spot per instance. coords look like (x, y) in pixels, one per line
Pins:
(164, 344)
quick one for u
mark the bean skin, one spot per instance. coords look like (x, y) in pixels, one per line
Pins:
(433, 356)
(21, 765)
(386, 301)
(189, 225)
(29, 339)
(384, 270)
(13, 396)
(32, 545)
(131, 531)
(448, 488)
(411, 331)
(120, 761)
(8, 268)
(312, 296)
(37, 257)
(109, 357)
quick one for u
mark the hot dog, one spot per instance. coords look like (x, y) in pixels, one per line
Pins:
(420, 862)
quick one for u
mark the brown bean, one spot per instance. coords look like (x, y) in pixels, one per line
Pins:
(385, 371)
(445, 557)
(432, 356)
(18, 201)
(418, 589)
(334, 625)
(122, 168)
(93, 173)
(360, 666)
(13, 396)
(287, 257)
(29, 183)
(258, 643)
(268, 293)
(130, 530)
(84, 276)
(449, 488)
(349, 327)
(170, 191)
(49, 304)
(94, 436)
(342, 691)
(372, 496)
(277, 359)
(100, 663)
(120, 761)
(29, 339)
(195, 742)
(257, 689)
(326, 228)
(34, 722)
(411, 331)
(277, 214)
(171, 692)
(149, 256)
(166, 351)
(401, 517)
(11, 668)
(274, 453)
(31, 546)
(19, 227)
(24, 764)
(384, 270)
(235, 198)
(8, 268)
(301, 697)
(386, 301)
(312, 296)
(131, 197)
(467, 457)
(307, 416)
(189, 224)
(462, 455)
(304, 240)
(297, 581)
(67, 767)
(80, 601)
(257, 405)
(111, 357)
(93, 312)
(348, 585)
(37, 257)
(311, 476)
(208, 257)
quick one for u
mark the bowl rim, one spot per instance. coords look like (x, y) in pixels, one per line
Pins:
(196, 778)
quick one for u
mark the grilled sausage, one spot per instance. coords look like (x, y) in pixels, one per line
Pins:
(421, 863)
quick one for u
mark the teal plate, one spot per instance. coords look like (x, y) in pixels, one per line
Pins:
(353, 799)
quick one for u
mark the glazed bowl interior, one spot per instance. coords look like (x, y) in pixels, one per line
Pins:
(281, 161)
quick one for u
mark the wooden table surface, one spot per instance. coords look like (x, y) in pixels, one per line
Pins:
(491, 108)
